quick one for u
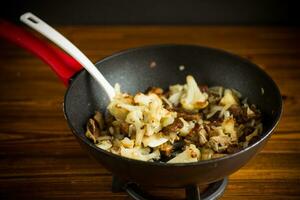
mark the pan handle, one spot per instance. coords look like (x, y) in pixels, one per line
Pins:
(61, 63)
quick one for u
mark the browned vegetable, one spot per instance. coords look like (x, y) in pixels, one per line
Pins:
(174, 127)
(155, 90)
(93, 130)
(186, 123)
(166, 149)
(189, 116)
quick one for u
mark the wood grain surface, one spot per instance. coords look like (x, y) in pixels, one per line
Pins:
(40, 158)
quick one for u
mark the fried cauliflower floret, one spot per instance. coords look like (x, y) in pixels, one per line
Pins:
(154, 140)
(139, 153)
(127, 143)
(190, 154)
(185, 124)
(228, 129)
(189, 95)
(144, 111)
(176, 92)
(104, 144)
(192, 98)
(187, 127)
(219, 143)
(115, 108)
(228, 99)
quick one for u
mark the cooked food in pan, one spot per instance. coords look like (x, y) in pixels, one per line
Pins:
(186, 123)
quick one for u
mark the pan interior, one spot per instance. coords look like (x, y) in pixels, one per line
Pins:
(137, 69)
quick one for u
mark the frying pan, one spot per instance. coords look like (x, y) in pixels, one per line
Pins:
(133, 71)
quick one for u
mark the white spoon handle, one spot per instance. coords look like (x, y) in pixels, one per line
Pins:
(49, 32)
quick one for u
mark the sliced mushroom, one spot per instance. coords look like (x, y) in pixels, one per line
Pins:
(89, 135)
(98, 117)
(213, 110)
(219, 143)
(124, 127)
(93, 130)
(228, 128)
(193, 136)
(189, 116)
(206, 153)
(202, 134)
(174, 127)
(238, 113)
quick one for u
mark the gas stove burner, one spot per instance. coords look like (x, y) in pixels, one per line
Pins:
(213, 191)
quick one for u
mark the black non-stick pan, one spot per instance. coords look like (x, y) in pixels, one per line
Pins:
(133, 70)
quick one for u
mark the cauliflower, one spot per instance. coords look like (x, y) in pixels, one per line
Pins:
(193, 99)
(228, 128)
(145, 112)
(219, 143)
(139, 153)
(228, 99)
(187, 127)
(188, 95)
(104, 144)
(115, 108)
(250, 113)
(202, 136)
(176, 123)
(128, 143)
(176, 92)
(154, 140)
(190, 154)
(256, 132)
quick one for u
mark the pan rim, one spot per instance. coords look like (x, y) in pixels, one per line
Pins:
(268, 132)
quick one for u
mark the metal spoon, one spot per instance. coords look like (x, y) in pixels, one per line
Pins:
(42, 27)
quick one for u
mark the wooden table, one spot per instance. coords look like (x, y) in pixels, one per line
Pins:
(40, 158)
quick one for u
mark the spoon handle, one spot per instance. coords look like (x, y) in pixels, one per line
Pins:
(42, 27)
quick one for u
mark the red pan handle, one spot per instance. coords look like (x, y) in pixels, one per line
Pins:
(61, 63)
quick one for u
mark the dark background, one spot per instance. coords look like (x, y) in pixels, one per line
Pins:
(208, 12)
